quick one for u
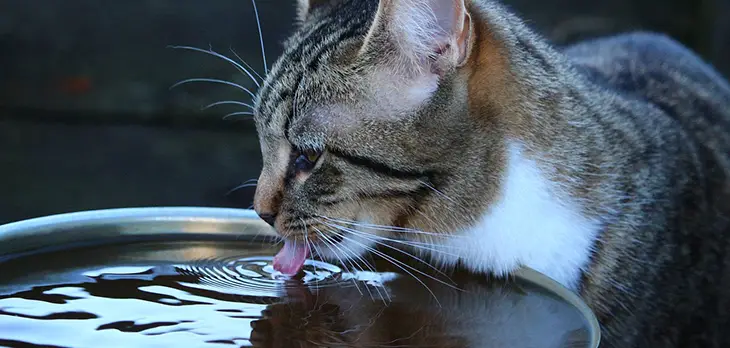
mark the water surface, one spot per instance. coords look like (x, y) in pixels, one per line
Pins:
(217, 294)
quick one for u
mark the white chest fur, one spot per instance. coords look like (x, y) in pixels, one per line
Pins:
(532, 224)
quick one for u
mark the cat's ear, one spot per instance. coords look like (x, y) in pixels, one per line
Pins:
(306, 6)
(432, 34)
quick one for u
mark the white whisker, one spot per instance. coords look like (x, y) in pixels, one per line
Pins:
(429, 246)
(353, 263)
(369, 267)
(319, 252)
(214, 81)
(309, 246)
(410, 255)
(437, 191)
(423, 262)
(247, 183)
(237, 114)
(246, 64)
(216, 54)
(314, 265)
(386, 228)
(331, 246)
(227, 102)
(398, 264)
(372, 269)
(261, 37)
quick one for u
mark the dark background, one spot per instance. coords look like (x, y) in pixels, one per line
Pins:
(87, 120)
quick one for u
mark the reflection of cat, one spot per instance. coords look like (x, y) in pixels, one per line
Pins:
(481, 316)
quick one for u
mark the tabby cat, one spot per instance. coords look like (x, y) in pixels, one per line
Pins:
(450, 127)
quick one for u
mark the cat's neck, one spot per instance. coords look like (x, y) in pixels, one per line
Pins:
(542, 105)
(532, 223)
(536, 217)
(517, 77)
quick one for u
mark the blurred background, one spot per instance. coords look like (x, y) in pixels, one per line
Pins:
(88, 120)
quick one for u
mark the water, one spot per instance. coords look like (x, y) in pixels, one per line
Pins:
(217, 294)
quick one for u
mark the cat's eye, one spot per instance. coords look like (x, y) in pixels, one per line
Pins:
(306, 160)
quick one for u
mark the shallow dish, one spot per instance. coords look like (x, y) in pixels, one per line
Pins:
(203, 277)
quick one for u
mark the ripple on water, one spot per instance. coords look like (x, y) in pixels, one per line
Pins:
(210, 300)
(255, 276)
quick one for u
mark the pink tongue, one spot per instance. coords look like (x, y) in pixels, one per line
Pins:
(290, 259)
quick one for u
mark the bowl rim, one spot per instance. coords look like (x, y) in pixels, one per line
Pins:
(53, 231)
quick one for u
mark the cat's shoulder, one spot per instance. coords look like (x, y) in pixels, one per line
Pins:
(659, 70)
(646, 44)
(643, 53)
(636, 59)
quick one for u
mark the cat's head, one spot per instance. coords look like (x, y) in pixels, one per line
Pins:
(364, 120)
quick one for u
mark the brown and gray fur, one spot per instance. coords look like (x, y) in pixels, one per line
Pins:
(634, 129)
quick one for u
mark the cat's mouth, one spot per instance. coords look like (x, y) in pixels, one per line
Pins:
(290, 259)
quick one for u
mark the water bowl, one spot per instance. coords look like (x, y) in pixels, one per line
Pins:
(202, 277)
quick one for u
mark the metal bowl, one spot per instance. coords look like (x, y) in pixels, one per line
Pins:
(104, 227)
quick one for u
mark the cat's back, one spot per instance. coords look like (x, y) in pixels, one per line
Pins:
(659, 71)
(663, 72)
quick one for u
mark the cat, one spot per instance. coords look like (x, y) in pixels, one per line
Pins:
(451, 128)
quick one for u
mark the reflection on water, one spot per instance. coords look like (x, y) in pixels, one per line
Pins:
(214, 294)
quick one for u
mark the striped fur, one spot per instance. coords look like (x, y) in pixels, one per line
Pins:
(627, 138)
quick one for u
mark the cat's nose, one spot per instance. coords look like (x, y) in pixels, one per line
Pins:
(270, 218)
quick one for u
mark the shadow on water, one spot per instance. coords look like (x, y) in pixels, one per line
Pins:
(218, 294)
